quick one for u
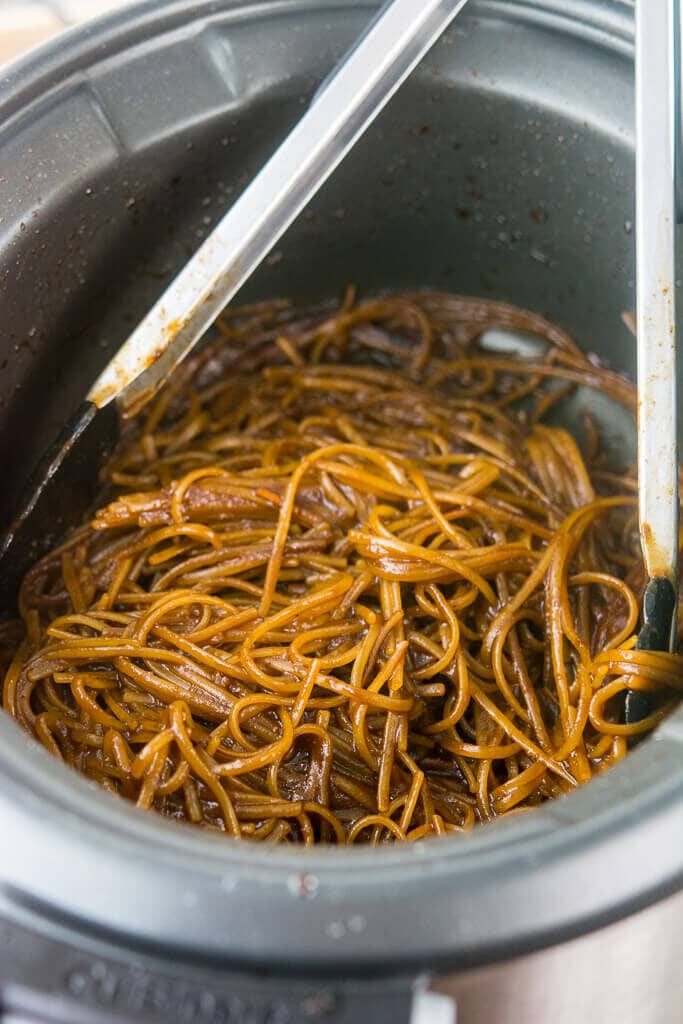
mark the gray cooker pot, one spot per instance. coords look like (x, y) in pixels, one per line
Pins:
(503, 168)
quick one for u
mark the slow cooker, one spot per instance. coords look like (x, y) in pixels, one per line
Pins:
(503, 168)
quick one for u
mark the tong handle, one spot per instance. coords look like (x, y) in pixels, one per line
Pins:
(350, 99)
(657, 112)
(678, 107)
(659, 206)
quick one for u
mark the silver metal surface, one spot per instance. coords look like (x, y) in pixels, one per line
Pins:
(628, 973)
(342, 109)
(656, 27)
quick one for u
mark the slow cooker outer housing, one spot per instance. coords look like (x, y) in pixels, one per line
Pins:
(503, 168)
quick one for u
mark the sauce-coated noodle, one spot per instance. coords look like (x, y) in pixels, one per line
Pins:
(346, 585)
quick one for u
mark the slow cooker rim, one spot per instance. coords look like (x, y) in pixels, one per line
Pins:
(509, 857)
(74, 798)
(33, 76)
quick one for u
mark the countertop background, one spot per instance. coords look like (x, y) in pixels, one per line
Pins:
(27, 23)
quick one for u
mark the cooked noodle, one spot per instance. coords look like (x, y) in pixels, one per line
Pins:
(346, 585)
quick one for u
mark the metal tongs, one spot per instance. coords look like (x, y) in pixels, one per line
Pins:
(659, 205)
(62, 485)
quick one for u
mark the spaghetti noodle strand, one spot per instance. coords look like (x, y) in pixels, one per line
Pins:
(347, 586)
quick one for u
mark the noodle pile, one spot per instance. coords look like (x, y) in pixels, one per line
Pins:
(346, 585)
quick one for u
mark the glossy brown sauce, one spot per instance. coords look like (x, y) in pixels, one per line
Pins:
(346, 585)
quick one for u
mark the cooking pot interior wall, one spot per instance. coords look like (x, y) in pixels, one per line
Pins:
(502, 169)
